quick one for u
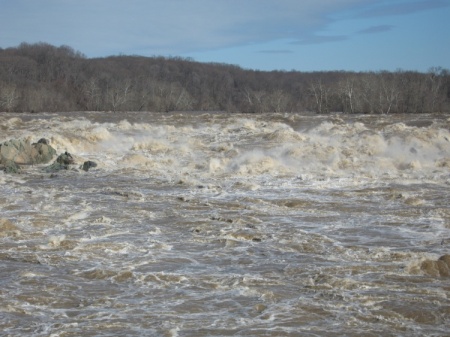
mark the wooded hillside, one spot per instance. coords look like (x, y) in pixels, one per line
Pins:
(42, 77)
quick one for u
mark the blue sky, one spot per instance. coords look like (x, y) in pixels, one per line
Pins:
(304, 35)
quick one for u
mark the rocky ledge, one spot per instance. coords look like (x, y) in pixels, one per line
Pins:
(16, 153)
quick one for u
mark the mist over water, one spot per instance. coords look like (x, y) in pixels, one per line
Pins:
(208, 224)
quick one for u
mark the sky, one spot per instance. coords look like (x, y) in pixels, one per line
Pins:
(302, 35)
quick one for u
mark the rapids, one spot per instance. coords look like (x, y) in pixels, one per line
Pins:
(213, 224)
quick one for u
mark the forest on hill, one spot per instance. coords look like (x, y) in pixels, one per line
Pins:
(41, 77)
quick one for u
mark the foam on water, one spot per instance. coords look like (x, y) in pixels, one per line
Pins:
(332, 147)
(217, 224)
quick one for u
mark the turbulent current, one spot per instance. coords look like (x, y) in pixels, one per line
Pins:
(213, 224)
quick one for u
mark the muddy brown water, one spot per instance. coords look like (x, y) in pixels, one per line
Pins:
(209, 224)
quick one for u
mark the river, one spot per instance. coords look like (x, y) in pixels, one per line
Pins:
(215, 224)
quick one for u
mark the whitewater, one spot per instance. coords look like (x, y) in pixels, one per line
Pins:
(216, 224)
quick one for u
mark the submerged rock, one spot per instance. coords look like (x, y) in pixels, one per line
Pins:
(22, 152)
(440, 267)
(87, 165)
(43, 141)
(65, 159)
(445, 258)
(63, 162)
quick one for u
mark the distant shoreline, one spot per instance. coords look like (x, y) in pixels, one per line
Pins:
(41, 77)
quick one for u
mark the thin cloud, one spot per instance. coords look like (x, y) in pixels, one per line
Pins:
(318, 39)
(403, 8)
(174, 27)
(376, 29)
(275, 51)
(165, 27)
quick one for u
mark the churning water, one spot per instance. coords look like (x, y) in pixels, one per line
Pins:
(209, 224)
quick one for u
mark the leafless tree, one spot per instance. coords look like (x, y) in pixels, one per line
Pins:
(93, 94)
(9, 97)
(118, 94)
(42, 77)
(320, 93)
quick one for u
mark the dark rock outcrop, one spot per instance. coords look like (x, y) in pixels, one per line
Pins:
(440, 267)
(43, 141)
(22, 152)
(8, 166)
(87, 165)
(63, 162)
(17, 152)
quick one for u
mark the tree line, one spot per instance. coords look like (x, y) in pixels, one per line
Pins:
(41, 77)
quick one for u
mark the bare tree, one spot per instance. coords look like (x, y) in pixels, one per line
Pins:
(347, 90)
(42, 77)
(118, 94)
(320, 93)
(388, 92)
(93, 94)
(278, 101)
(9, 98)
(435, 82)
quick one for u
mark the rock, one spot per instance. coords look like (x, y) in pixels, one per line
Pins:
(43, 153)
(430, 267)
(10, 167)
(14, 150)
(446, 259)
(62, 162)
(87, 165)
(65, 159)
(441, 267)
(246, 235)
(21, 152)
